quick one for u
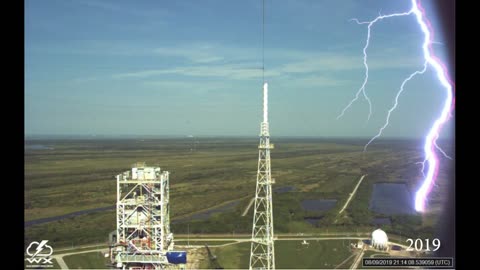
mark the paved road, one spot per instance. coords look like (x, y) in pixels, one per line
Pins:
(248, 207)
(358, 259)
(286, 237)
(81, 247)
(63, 265)
(229, 237)
(344, 261)
(352, 194)
(249, 235)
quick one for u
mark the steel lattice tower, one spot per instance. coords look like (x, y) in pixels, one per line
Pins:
(143, 219)
(262, 254)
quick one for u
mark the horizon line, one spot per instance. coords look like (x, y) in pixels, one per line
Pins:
(133, 136)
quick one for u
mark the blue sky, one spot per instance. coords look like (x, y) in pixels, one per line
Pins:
(194, 67)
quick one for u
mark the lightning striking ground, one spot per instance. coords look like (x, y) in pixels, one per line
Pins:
(442, 76)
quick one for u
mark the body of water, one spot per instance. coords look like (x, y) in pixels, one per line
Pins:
(391, 199)
(318, 205)
(381, 221)
(313, 220)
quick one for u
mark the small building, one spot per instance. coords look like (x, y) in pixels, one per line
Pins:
(359, 244)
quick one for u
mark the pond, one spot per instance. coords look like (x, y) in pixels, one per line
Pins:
(313, 220)
(381, 221)
(319, 205)
(391, 199)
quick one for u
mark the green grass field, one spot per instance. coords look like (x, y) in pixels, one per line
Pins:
(90, 260)
(288, 254)
(79, 174)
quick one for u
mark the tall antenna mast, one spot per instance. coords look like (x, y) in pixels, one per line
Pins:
(263, 42)
(262, 252)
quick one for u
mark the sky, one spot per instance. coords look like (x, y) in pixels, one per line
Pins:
(194, 68)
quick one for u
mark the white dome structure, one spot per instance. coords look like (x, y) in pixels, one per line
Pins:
(379, 239)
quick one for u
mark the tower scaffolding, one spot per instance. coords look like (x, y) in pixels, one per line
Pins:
(262, 252)
(143, 239)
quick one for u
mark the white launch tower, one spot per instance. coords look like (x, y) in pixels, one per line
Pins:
(262, 253)
(143, 219)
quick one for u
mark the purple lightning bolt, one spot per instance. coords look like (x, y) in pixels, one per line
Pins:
(443, 77)
(431, 140)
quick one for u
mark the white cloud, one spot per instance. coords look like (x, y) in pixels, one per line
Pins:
(320, 81)
(321, 64)
(84, 80)
(341, 62)
(224, 71)
(200, 54)
(206, 60)
(184, 85)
